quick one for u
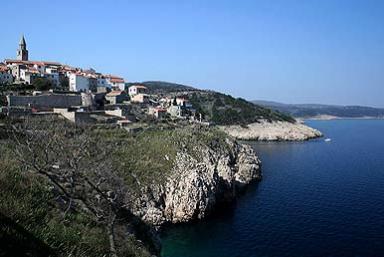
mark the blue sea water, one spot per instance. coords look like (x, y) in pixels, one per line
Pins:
(316, 199)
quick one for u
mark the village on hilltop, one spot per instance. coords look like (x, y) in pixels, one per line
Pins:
(82, 95)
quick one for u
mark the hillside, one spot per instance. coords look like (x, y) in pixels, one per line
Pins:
(318, 110)
(103, 191)
(161, 87)
(224, 109)
(218, 108)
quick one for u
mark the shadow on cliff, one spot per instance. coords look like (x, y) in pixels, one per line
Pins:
(17, 241)
(223, 212)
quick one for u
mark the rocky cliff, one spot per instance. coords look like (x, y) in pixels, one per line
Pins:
(198, 183)
(272, 131)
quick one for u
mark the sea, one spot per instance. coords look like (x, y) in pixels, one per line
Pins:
(316, 198)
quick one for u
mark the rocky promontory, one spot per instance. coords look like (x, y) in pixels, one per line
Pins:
(198, 183)
(272, 131)
(122, 188)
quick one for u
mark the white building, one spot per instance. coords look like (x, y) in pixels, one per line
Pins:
(25, 71)
(52, 74)
(102, 82)
(115, 82)
(140, 98)
(136, 89)
(28, 75)
(78, 82)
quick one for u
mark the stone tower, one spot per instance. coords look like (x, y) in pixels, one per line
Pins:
(22, 52)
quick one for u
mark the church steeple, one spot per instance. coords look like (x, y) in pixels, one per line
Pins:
(22, 41)
(22, 52)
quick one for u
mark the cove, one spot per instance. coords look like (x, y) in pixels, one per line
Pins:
(316, 198)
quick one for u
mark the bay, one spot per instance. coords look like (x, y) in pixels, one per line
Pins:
(316, 198)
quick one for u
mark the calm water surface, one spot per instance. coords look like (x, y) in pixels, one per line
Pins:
(315, 199)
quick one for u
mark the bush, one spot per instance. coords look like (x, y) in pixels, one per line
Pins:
(42, 84)
(32, 222)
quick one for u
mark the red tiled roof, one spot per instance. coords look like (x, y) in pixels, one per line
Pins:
(51, 63)
(115, 93)
(38, 63)
(117, 80)
(33, 70)
(3, 68)
(112, 76)
(8, 61)
(68, 68)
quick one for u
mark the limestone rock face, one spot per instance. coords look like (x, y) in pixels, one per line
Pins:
(272, 131)
(198, 184)
(191, 193)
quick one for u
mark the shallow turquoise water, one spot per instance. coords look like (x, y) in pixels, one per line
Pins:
(315, 199)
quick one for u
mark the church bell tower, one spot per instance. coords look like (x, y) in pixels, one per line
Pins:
(22, 52)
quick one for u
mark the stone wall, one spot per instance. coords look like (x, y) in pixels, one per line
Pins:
(47, 101)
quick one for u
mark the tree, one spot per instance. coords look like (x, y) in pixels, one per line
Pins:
(64, 83)
(42, 84)
(77, 164)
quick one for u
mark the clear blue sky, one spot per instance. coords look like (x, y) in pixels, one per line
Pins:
(308, 51)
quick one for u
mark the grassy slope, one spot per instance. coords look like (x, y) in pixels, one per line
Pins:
(33, 222)
(149, 156)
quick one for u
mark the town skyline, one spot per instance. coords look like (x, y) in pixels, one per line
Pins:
(339, 62)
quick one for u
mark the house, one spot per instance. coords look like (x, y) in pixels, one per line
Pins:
(5, 75)
(121, 111)
(176, 110)
(181, 108)
(26, 71)
(115, 82)
(52, 74)
(158, 112)
(140, 98)
(136, 89)
(182, 101)
(28, 75)
(67, 70)
(102, 82)
(116, 97)
(78, 82)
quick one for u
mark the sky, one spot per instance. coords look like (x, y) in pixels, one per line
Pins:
(292, 51)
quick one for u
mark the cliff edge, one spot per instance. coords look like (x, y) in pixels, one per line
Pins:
(198, 183)
(272, 131)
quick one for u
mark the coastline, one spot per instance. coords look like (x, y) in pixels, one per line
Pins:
(272, 131)
(198, 184)
(331, 117)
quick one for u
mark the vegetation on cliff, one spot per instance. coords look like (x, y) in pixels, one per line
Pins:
(219, 108)
(224, 109)
(31, 223)
(70, 189)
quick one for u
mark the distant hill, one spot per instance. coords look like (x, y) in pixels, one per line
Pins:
(162, 87)
(318, 110)
(216, 107)
(226, 110)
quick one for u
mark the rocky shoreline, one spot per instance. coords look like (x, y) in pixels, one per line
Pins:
(272, 131)
(198, 184)
(212, 174)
